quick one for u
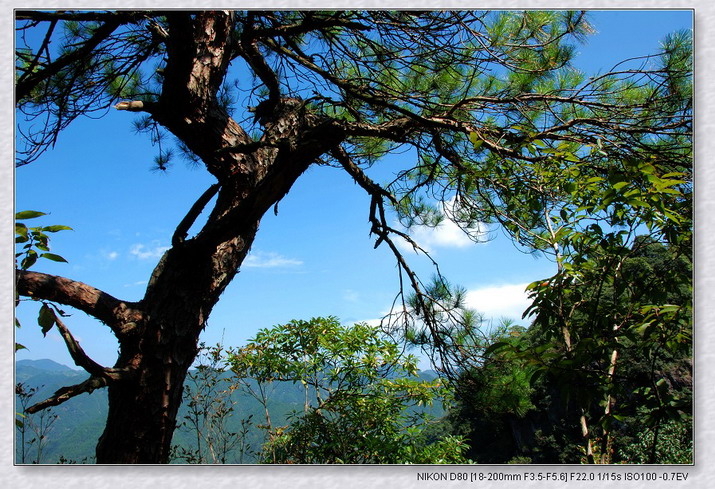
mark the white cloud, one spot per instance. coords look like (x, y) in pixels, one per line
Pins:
(494, 302)
(144, 252)
(262, 259)
(111, 255)
(445, 235)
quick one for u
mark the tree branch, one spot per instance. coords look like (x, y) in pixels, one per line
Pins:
(350, 87)
(359, 176)
(379, 224)
(66, 393)
(182, 230)
(198, 50)
(100, 376)
(425, 306)
(310, 23)
(256, 61)
(44, 47)
(122, 317)
(81, 359)
(137, 106)
(27, 83)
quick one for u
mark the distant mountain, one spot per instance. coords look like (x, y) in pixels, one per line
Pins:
(44, 364)
(428, 374)
(80, 420)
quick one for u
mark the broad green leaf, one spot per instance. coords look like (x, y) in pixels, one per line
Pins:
(673, 174)
(570, 187)
(29, 215)
(647, 168)
(56, 228)
(494, 347)
(46, 319)
(53, 257)
(669, 191)
(637, 203)
(476, 142)
(29, 260)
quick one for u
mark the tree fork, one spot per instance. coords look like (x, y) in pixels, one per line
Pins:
(183, 289)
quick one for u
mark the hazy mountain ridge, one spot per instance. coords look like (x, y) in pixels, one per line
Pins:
(81, 419)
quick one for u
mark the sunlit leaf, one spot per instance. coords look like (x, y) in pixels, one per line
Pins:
(53, 257)
(29, 215)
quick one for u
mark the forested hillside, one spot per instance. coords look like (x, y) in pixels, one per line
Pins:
(74, 427)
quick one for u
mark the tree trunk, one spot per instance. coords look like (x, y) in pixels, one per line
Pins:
(142, 409)
(182, 291)
(253, 176)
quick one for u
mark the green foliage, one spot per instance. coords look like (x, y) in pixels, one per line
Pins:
(493, 398)
(359, 389)
(61, 79)
(34, 240)
(669, 443)
(586, 205)
(530, 394)
(636, 305)
(34, 243)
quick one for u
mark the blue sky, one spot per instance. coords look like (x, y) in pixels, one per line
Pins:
(314, 258)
